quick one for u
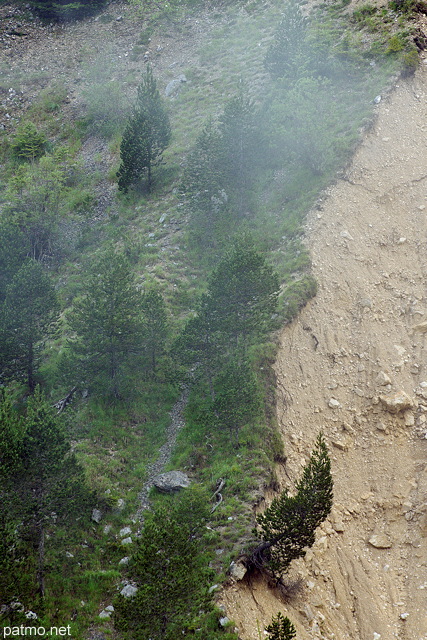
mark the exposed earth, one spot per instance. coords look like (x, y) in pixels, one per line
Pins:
(354, 366)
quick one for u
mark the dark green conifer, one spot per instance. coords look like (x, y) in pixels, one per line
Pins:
(288, 526)
(281, 628)
(145, 138)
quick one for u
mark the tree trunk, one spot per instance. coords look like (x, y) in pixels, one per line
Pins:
(40, 568)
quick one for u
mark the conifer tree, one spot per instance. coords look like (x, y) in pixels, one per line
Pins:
(170, 568)
(287, 55)
(39, 475)
(145, 138)
(28, 317)
(241, 149)
(154, 326)
(243, 291)
(281, 628)
(106, 321)
(288, 525)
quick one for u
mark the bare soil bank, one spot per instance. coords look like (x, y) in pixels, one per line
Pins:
(362, 339)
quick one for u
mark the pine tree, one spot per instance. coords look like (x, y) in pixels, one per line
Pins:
(243, 292)
(154, 326)
(242, 148)
(287, 55)
(39, 475)
(204, 185)
(288, 525)
(145, 138)
(170, 568)
(29, 316)
(106, 321)
(281, 628)
(237, 399)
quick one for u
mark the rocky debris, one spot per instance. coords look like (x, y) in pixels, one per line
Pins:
(237, 570)
(397, 402)
(97, 515)
(421, 327)
(126, 531)
(339, 444)
(380, 541)
(333, 403)
(173, 87)
(127, 540)
(107, 612)
(171, 481)
(124, 561)
(383, 379)
(128, 591)
(224, 621)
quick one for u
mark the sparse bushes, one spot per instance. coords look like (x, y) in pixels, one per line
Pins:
(28, 143)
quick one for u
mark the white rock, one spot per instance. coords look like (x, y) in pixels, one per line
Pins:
(127, 540)
(403, 616)
(96, 515)
(105, 614)
(109, 608)
(380, 541)
(128, 591)
(237, 570)
(383, 379)
(126, 531)
(334, 404)
(124, 560)
(397, 402)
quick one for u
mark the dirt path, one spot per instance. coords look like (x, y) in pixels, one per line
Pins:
(368, 244)
(165, 451)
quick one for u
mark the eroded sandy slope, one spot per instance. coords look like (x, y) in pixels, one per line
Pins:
(354, 343)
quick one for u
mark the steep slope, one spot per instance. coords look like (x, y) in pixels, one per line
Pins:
(361, 339)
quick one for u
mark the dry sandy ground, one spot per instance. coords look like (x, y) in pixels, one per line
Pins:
(368, 245)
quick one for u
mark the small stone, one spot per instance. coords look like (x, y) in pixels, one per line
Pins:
(377, 636)
(124, 561)
(69, 555)
(105, 614)
(399, 401)
(401, 241)
(380, 541)
(30, 615)
(107, 529)
(127, 540)
(224, 621)
(109, 608)
(213, 588)
(345, 234)
(334, 404)
(338, 444)
(237, 570)
(126, 531)
(409, 419)
(171, 481)
(128, 591)
(383, 379)
(403, 616)
(96, 516)
(120, 504)
(421, 327)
